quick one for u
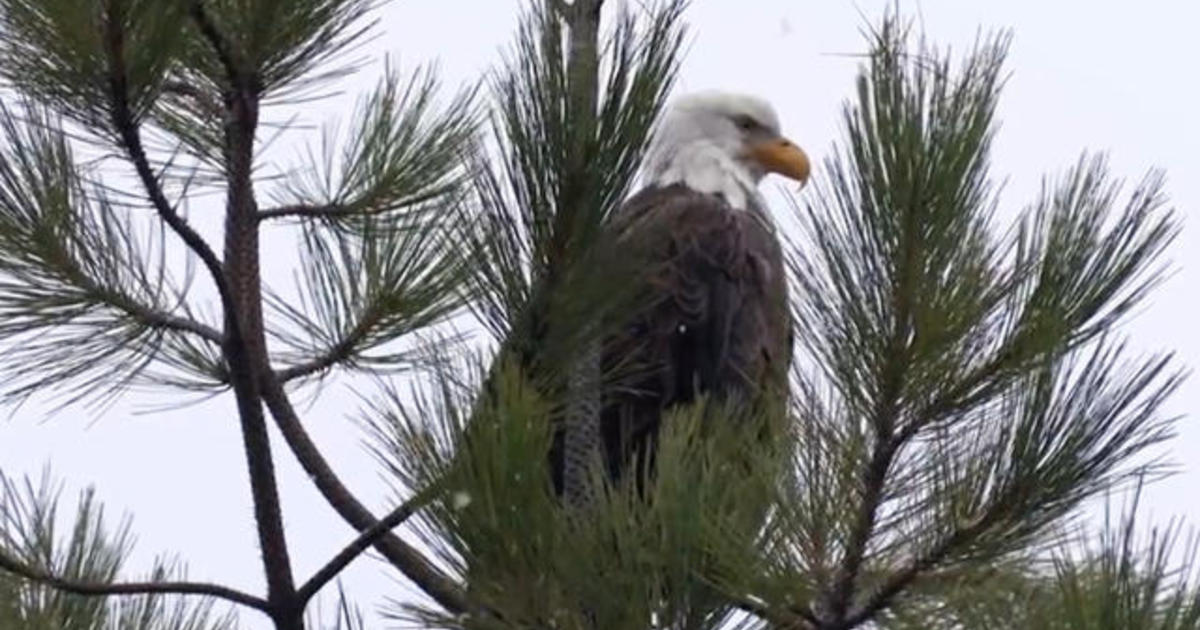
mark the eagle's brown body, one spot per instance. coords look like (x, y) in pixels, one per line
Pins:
(711, 317)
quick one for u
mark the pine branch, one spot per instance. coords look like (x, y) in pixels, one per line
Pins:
(369, 285)
(569, 11)
(581, 421)
(571, 130)
(271, 46)
(245, 347)
(246, 354)
(403, 556)
(264, 488)
(886, 444)
(401, 155)
(340, 351)
(327, 211)
(148, 315)
(216, 39)
(335, 211)
(874, 480)
(79, 304)
(78, 274)
(336, 354)
(71, 582)
(159, 319)
(152, 317)
(364, 541)
(537, 213)
(387, 129)
(102, 589)
(126, 125)
(900, 581)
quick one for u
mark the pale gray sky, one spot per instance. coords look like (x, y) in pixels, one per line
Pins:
(1085, 74)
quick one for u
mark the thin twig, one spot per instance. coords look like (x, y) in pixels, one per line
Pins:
(903, 578)
(149, 316)
(338, 352)
(301, 210)
(403, 556)
(99, 589)
(796, 619)
(360, 544)
(160, 319)
(350, 208)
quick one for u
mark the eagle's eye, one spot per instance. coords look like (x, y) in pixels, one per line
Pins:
(745, 123)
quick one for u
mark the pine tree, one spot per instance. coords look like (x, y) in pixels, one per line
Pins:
(961, 388)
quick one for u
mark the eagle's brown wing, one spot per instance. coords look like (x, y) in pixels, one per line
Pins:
(712, 315)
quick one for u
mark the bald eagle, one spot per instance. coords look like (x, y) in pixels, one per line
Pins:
(712, 313)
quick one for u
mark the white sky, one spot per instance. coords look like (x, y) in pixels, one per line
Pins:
(1097, 75)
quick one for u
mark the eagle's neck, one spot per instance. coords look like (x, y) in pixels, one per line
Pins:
(705, 167)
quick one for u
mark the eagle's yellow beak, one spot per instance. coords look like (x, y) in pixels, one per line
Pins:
(780, 156)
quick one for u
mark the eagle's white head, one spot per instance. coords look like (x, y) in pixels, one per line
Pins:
(722, 143)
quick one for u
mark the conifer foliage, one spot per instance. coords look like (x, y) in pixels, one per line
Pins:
(961, 387)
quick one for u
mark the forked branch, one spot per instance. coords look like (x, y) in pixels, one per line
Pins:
(403, 556)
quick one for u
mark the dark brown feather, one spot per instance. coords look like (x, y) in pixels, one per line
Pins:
(712, 315)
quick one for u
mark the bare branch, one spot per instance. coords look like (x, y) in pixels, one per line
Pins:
(874, 480)
(268, 513)
(183, 324)
(402, 555)
(360, 544)
(100, 589)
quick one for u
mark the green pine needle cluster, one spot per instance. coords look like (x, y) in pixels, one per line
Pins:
(631, 555)
(86, 303)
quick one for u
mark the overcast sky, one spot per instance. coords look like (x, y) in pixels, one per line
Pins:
(1085, 74)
